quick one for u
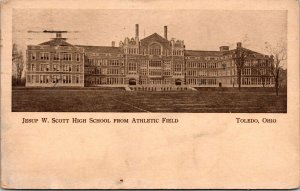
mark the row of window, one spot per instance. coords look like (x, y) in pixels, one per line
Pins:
(155, 63)
(104, 71)
(258, 63)
(155, 72)
(207, 57)
(45, 56)
(54, 79)
(153, 51)
(209, 65)
(208, 81)
(258, 81)
(255, 71)
(131, 51)
(103, 81)
(210, 72)
(45, 67)
(104, 62)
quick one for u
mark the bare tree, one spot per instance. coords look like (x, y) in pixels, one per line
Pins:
(240, 55)
(278, 55)
(18, 64)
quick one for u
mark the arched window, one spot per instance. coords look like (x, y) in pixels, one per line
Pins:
(155, 49)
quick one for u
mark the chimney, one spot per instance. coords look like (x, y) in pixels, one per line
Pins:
(166, 32)
(113, 43)
(137, 30)
(239, 45)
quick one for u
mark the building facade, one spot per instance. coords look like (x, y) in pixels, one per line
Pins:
(55, 63)
(153, 61)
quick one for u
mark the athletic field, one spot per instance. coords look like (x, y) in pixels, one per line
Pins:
(118, 100)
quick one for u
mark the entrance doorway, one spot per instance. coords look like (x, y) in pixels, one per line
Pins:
(178, 82)
(132, 81)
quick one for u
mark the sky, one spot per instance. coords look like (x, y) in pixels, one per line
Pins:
(200, 29)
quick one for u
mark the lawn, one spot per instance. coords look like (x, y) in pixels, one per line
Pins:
(116, 100)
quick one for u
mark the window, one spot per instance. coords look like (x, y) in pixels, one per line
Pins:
(77, 68)
(55, 67)
(167, 64)
(78, 57)
(28, 78)
(202, 82)
(44, 56)
(55, 56)
(167, 73)
(113, 71)
(155, 72)
(202, 73)
(44, 79)
(177, 52)
(154, 63)
(33, 56)
(55, 78)
(132, 66)
(66, 79)
(45, 67)
(143, 72)
(67, 67)
(177, 68)
(262, 71)
(114, 63)
(192, 72)
(33, 68)
(155, 51)
(67, 56)
(246, 72)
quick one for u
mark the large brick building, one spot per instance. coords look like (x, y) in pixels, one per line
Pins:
(55, 63)
(152, 62)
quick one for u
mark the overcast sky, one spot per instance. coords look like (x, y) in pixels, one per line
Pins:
(200, 29)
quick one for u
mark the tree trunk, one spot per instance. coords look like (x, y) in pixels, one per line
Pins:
(276, 82)
(276, 86)
(239, 79)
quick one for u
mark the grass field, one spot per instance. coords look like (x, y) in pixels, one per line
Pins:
(116, 100)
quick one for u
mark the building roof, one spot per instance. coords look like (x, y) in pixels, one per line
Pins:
(202, 53)
(57, 42)
(217, 53)
(102, 49)
(154, 37)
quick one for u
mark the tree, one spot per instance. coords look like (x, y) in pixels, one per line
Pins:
(18, 65)
(278, 55)
(240, 55)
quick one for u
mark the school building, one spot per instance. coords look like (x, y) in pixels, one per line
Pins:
(154, 61)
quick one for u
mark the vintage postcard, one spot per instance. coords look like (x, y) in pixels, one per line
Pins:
(150, 94)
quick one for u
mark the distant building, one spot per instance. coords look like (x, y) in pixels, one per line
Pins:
(153, 61)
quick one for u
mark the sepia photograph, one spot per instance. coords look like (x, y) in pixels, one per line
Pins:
(189, 61)
(156, 94)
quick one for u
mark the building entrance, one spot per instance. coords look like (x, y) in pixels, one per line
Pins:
(132, 81)
(178, 82)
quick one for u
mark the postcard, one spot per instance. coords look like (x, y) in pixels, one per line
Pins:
(149, 94)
